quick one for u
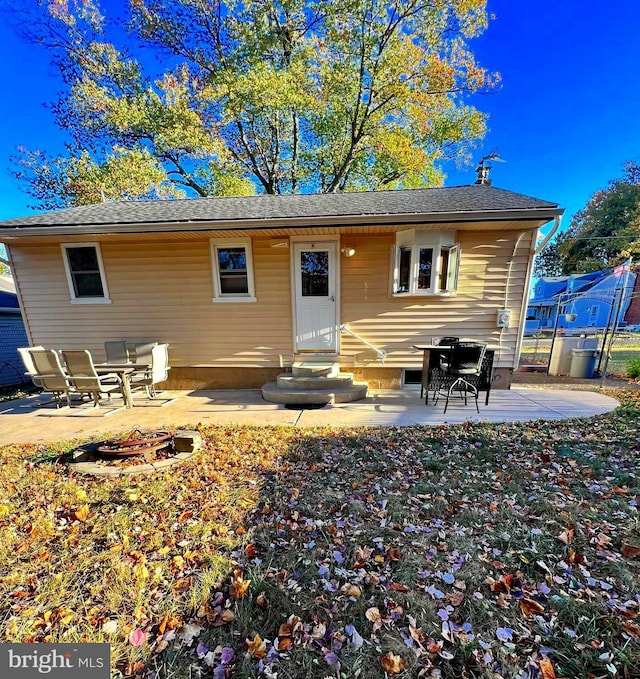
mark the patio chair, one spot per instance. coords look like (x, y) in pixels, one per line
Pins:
(85, 379)
(30, 368)
(445, 357)
(116, 351)
(50, 376)
(438, 360)
(140, 351)
(459, 379)
(157, 361)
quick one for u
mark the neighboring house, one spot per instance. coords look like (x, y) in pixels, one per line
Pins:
(12, 334)
(581, 302)
(242, 287)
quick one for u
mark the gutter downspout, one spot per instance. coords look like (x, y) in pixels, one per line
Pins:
(557, 220)
(525, 300)
(556, 225)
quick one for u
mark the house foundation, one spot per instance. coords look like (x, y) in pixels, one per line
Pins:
(196, 378)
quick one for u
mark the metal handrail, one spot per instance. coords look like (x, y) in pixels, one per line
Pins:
(380, 353)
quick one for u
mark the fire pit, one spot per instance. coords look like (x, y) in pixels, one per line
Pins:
(137, 443)
(141, 452)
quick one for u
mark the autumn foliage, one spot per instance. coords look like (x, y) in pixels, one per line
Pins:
(227, 97)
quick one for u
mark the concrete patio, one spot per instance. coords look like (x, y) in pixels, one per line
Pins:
(35, 419)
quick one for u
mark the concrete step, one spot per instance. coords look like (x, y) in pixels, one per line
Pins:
(355, 392)
(289, 381)
(315, 368)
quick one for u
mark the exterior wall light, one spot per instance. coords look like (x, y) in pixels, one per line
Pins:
(348, 252)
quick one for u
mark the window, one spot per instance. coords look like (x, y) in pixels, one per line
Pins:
(411, 376)
(425, 262)
(232, 270)
(85, 273)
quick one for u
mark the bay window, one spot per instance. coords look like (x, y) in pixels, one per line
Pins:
(425, 262)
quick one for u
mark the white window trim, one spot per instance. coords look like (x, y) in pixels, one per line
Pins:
(437, 241)
(218, 297)
(104, 299)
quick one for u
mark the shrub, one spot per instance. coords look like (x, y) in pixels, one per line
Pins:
(633, 368)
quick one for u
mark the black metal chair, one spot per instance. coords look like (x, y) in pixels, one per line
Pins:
(446, 342)
(460, 378)
(437, 360)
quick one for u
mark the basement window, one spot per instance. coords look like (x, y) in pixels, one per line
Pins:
(85, 273)
(411, 376)
(425, 263)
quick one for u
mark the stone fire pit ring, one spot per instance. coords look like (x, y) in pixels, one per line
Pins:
(88, 459)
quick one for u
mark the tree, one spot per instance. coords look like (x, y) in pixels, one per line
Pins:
(605, 233)
(548, 262)
(280, 96)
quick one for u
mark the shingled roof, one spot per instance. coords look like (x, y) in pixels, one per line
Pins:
(460, 201)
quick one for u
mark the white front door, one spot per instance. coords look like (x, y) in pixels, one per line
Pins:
(314, 274)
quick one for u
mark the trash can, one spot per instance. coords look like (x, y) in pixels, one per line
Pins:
(583, 362)
(560, 360)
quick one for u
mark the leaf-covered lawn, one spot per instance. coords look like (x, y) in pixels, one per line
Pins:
(467, 551)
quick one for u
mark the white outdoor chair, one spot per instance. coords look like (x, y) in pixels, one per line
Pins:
(50, 376)
(85, 379)
(157, 361)
(116, 351)
(139, 352)
(27, 361)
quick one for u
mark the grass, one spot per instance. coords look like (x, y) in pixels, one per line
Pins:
(477, 550)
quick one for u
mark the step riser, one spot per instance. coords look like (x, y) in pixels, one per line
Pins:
(271, 392)
(289, 381)
(315, 369)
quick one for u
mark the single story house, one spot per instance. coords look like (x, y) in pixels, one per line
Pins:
(581, 302)
(12, 335)
(243, 287)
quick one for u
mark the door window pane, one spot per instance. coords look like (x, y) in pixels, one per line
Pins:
(314, 271)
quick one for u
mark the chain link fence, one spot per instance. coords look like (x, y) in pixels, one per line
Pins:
(625, 347)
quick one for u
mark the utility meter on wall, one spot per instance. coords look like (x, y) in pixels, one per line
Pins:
(504, 317)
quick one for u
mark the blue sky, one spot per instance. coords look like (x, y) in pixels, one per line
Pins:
(565, 117)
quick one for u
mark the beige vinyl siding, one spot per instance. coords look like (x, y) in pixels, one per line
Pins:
(396, 323)
(163, 292)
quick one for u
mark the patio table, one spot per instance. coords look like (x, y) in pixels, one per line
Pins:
(430, 361)
(124, 370)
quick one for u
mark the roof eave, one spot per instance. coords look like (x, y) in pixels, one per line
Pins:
(531, 214)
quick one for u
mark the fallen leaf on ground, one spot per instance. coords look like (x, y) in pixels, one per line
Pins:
(547, 670)
(393, 664)
(257, 647)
